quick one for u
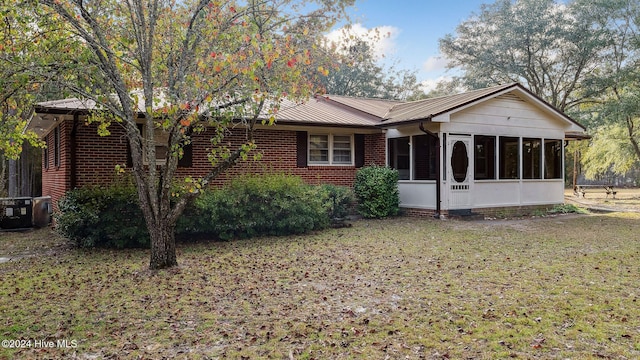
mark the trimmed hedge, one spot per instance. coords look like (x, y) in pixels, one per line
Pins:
(376, 188)
(107, 217)
(337, 200)
(258, 205)
(250, 206)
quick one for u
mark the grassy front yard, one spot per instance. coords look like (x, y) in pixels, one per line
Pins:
(558, 287)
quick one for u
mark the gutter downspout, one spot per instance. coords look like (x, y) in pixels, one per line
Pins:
(438, 166)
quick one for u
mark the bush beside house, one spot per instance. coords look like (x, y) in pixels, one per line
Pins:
(94, 216)
(249, 206)
(258, 205)
(376, 188)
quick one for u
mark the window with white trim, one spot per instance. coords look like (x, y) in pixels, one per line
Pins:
(485, 157)
(553, 159)
(399, 158)
(509, 155)
(330, 149)
(531, 158)
(45, 153)
(161, 139)
(56, 147)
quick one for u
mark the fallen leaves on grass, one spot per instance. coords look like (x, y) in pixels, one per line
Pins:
(399, 288)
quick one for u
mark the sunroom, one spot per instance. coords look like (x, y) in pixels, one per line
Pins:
(480, 151)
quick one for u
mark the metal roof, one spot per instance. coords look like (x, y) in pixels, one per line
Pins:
(319, 111)
(70, 105)
(314, 111)
(375, 107)
(423, 109)
(337, 110)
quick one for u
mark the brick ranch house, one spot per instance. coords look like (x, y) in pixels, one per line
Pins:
(488, 149)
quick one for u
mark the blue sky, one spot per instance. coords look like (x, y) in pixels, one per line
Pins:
(415, 27)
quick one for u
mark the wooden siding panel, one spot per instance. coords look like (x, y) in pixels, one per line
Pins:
(507, 117)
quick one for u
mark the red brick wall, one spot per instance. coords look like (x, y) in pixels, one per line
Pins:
(375, 145)
(278, 149)
(413, 212)
(57, 179)
(96, 158)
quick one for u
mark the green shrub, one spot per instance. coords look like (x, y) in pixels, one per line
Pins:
(376, 188)
(102, 217)
(258, 205)
(337, 200)
(567, 209)
(250, 206)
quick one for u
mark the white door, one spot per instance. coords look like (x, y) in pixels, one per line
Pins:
(459, 171)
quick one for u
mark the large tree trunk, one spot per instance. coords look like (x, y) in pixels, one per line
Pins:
(3, 179)
(163, 247)
(13, 178)
(632, 136)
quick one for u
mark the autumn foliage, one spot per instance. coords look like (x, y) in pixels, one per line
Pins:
(178, 68)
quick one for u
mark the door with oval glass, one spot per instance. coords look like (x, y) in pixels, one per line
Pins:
(459, 171)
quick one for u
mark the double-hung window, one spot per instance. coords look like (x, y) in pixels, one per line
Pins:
(330, 149)
(45, 153)
(56, 147)
(161, 139)
(342, 149)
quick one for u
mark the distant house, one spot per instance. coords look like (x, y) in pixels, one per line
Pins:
(488, 149)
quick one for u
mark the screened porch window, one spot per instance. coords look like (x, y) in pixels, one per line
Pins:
(531, 158)
(45, 153)
(485, 157)
(424, 157)
(553, 159)
(419, 164)
(509, 157)
(399, 156)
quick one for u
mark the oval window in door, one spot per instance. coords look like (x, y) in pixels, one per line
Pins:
(459, 161)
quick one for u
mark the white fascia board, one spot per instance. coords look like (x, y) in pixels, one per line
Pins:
(442, 118)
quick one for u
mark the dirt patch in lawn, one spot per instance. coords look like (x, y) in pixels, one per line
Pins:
(15, 245)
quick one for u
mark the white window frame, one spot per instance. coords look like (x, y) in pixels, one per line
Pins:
(161, 139)
(330, 140)
(56, 147)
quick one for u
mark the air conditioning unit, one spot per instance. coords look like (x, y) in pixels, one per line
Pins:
(16, 213)
(42, 210)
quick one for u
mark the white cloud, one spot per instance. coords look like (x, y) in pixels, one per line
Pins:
(430, 84)
(435, 63)
(381, 38)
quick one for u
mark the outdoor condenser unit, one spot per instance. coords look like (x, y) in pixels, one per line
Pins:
(42, 211)
(16, 213)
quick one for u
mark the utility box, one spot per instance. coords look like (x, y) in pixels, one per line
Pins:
(42, 211)
(16, 213)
